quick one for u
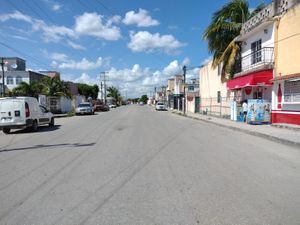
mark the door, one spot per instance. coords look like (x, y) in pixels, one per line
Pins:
(44, 116)
(197, 105)
(256, 51)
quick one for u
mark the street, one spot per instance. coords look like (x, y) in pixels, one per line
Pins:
(134, 165)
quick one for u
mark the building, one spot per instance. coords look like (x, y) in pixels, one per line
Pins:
(178, 93)
(170, 93)
(253, 74)
(192, 96)
(286, 88)
(215, 99)
(15, 73)
(51, 74)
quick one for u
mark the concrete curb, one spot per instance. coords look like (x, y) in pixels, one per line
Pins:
(254, 133)
(60, 115)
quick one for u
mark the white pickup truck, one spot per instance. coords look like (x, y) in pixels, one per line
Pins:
(23, 112)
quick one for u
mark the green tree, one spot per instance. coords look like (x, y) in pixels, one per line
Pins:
(143, 99)
(88, 90)
(115, 93)
(55, 87)
(33, 89)
(225, 26)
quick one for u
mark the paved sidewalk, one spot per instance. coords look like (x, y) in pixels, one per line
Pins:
(282, 135)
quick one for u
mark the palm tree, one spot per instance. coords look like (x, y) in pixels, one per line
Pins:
(32, 89)
(114, 92)
(55, 87)
(225, 26)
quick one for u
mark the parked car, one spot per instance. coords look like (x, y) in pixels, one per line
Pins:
(141, 103)
(85, 108)
(160, 106)
(112, 106)
(101, 108)
(23, 112)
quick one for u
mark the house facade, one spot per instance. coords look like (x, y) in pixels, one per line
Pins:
(214, 97)
(15, 73)
(254, 71)
(192, 96)
(286, 87)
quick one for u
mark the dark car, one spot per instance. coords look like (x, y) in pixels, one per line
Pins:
(101, 108)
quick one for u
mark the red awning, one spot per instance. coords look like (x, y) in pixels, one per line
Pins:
(261, 78)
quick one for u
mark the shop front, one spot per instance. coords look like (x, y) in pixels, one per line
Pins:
(256, 89)
(286, 99)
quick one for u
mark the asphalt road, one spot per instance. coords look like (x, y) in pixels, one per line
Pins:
(134, 165)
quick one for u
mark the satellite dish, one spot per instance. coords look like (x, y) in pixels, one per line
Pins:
(14, 66)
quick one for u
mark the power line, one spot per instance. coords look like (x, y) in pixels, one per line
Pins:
(24, 54)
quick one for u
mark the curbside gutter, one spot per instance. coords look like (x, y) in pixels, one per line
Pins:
(254, 133)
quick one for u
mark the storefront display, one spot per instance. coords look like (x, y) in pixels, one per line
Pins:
(259, 111)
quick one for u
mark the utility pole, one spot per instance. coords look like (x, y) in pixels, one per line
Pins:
(101, 91)
(3, 86)
(184, 97)
(104, 79)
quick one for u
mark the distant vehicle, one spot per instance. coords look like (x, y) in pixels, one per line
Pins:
(160, 106)
(101, 108)
(23, 112)
(141, 103)
(85, 108)
(112, 106)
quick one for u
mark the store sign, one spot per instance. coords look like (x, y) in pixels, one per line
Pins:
(248, 90)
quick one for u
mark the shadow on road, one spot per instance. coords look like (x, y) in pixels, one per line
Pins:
(41, 129)
(74, 145)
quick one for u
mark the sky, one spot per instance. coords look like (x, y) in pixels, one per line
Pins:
(139, 44)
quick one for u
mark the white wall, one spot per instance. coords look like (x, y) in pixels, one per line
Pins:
(267, 39)
(65, 104)
(23, 74)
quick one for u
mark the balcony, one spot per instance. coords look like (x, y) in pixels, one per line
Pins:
(258, 60)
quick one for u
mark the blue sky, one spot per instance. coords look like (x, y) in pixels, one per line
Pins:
(139, 43)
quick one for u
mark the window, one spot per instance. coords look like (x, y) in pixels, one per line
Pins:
(219, 69)
(292, 91)
(9, 80)
(191, 88)
(256, 51)
(18, 79)
(219, 96)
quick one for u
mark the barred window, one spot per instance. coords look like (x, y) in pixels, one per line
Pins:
(292, 91)
(18, 79)
(9, 80)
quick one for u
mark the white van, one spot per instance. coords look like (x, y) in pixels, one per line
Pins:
(22, 112)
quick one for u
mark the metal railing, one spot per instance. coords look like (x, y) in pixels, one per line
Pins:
(258, 59)
(219, 107)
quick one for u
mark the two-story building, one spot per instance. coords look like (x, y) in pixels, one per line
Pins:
(214, 97)
(178, 92)
(253, 75)
(15, 73)
(192, 96)
(286, 88)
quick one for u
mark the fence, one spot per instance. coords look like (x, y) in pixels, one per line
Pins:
(216, 106)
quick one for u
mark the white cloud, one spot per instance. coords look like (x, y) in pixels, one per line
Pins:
(61, 57)
(86, 79)
(75, 46)
(136, 81)
(56, 7)
(207, 60)
(88, 24)
(143, 41)
(173, 27)
(16, 16)
(91, 24)
(141, 19)
(84, 64)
